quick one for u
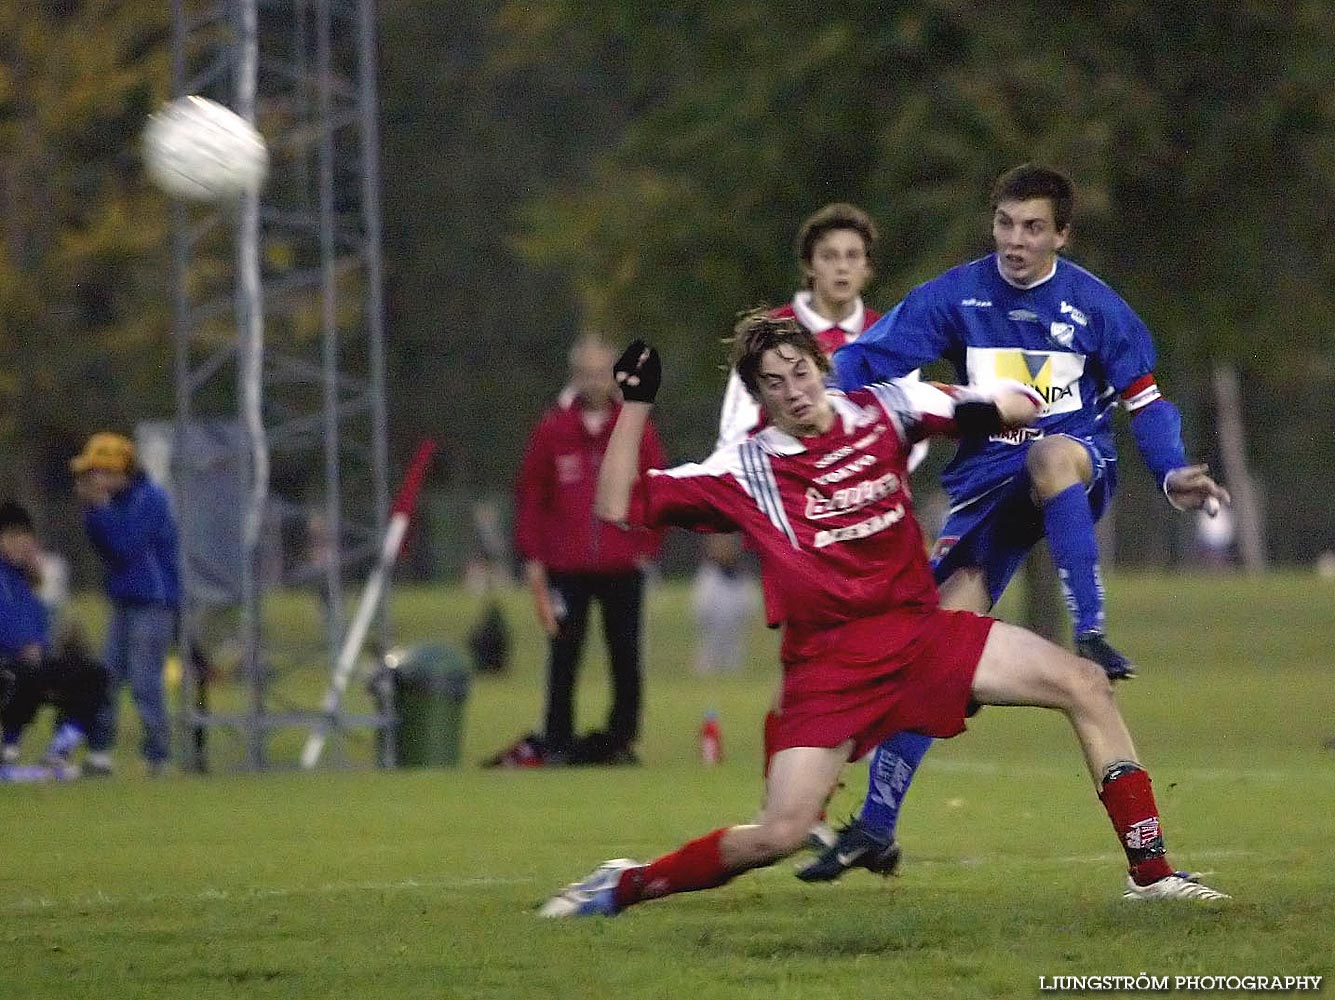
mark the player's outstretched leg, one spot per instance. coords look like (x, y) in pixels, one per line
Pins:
(868, 840)
(800, 780)
(820, 836)
(1019, 668)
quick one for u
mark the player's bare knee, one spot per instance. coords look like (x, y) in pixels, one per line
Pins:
(1056, 462)
(780, 836)
(1089, 685)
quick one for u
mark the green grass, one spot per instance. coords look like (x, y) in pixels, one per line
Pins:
(356, 883)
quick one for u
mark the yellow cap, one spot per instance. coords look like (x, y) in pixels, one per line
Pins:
(104, 450)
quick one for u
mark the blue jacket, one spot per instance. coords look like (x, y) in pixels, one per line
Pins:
(135, 535)
(23, 617)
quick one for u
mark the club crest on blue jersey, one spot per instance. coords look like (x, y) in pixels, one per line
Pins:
(1062, 333)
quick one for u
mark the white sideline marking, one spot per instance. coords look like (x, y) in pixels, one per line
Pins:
(100, 899)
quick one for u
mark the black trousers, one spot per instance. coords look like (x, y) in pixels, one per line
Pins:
(621, 597)
(73, 683)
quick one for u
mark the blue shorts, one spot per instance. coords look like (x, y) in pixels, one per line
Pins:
(994, 530)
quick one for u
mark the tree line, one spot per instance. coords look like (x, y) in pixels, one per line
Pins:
(556, 167)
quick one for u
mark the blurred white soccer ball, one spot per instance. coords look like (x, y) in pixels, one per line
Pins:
(198, 150)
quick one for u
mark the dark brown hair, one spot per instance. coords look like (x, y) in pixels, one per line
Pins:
(15, 517)
(838, 215)
(1034, 180)
(757, 331)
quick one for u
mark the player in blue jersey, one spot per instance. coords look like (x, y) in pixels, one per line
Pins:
(1024, 313)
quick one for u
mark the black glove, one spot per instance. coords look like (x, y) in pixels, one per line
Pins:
(639, 372)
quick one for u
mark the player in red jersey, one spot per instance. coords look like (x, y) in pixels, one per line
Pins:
(867, 650)
(835, 249)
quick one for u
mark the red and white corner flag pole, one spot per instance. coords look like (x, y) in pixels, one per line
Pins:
(399, 515)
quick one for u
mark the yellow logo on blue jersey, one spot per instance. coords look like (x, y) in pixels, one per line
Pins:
(1054, 374)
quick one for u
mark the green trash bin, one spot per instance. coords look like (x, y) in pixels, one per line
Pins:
(431, 685)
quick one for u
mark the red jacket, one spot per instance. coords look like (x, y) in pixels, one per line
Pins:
(554, 519)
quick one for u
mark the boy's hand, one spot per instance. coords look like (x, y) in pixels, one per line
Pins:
(1191, 488)
(639, 372)
(1017, 404)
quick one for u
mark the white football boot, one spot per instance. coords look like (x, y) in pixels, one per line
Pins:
(591, 897)
(1172, 887)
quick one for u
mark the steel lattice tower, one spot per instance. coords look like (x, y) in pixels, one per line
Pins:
(279, 334)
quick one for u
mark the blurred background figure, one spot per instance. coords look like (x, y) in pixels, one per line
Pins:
(129, 522)
(486, 575)
(573, 559)
(488, 568)
(54, 586)
(725, 598)
(319, 553)
(36, 674)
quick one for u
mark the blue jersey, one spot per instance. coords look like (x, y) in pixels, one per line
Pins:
(23, 617)
(1071, 337)
(135, 535)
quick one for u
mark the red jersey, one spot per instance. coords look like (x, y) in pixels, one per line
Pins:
(867, 651)
(830, 516)
(830, 336)
(554, 519)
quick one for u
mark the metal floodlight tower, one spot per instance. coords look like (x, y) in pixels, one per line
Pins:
(280, 374)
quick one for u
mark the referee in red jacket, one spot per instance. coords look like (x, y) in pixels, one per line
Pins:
(572, 558)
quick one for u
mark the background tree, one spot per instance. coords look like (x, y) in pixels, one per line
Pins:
(552, 167)
(83, 314)
(1199, 139)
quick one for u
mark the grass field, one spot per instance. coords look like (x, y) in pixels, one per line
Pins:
(357, 883)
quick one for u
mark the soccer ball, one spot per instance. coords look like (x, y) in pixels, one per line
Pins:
(198, 150)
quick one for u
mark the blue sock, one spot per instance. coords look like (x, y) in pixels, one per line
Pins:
(1069, 525)
(893, 765)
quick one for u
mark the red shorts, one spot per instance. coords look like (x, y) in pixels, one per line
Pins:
(865, 680)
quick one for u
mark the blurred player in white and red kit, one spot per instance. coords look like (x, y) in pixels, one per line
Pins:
(836, 249)
(867, 650)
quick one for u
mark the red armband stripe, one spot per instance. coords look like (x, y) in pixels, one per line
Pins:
(1141, 392)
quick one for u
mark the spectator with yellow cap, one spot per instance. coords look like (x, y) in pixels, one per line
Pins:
(129, 522)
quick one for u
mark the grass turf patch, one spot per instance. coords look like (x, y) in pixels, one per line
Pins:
(356, 882)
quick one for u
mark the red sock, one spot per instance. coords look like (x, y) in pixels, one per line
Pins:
(1130, 803)
(771, 723)
(694, 865)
